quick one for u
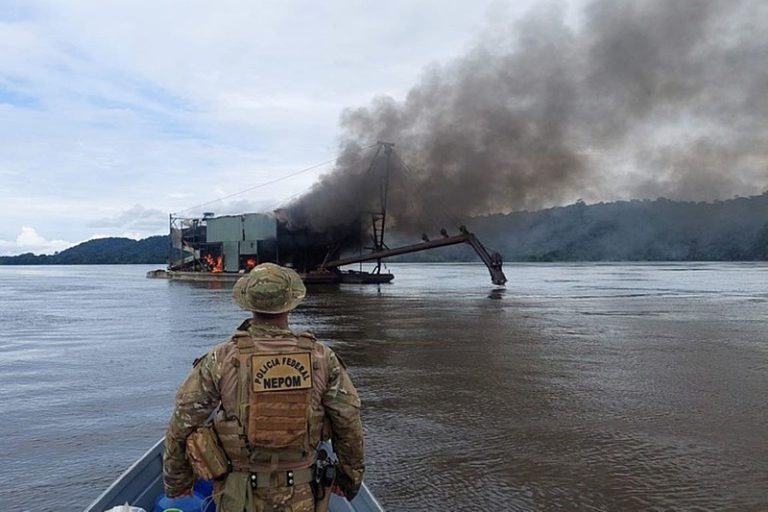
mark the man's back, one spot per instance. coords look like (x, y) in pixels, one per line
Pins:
(275, 396)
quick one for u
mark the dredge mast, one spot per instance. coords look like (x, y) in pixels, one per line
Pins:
(379, 250)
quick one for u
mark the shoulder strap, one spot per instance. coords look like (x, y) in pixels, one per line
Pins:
(245, 346)
(306, 340)
(243, 340)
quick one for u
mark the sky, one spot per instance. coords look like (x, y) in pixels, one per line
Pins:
(114, 114)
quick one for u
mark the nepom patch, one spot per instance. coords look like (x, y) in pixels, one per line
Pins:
(281, 372)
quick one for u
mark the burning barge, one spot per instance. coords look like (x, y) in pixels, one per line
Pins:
(211, 248)
(222, 248)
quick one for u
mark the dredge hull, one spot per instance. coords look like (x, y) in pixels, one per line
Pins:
(310, 278)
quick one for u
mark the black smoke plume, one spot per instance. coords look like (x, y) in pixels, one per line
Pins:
(638, 98)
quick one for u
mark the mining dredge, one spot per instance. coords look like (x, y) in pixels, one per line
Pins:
(222, 248)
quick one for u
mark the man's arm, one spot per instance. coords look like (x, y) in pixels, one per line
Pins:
(196, 399)
(342, 407)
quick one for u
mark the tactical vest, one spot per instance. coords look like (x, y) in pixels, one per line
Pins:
(271, 390)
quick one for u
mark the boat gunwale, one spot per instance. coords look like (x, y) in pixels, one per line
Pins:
(145, 460)
(365, 501)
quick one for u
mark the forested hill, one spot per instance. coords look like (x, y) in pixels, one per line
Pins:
(660, 230)
(100, 251)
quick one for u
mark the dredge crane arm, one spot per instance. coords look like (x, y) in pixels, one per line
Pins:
(491, 260)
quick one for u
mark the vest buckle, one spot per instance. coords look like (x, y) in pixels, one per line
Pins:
(254, 481)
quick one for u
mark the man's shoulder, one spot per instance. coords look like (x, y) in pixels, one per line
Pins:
(310, 341)
(335, 362)
(307, 335)
(317, 345)
(321, 349)
(216, 354)
(221, 349)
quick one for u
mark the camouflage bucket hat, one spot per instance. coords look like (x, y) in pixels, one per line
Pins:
(269, 288)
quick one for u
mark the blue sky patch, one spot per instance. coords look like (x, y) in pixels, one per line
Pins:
(9, 96)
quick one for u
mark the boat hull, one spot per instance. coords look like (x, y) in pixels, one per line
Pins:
(142, 483)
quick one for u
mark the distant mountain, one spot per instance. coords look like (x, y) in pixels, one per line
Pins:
(660, 230)
(100, 251)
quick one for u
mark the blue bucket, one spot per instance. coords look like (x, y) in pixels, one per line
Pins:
(193, 503)
(205, 489)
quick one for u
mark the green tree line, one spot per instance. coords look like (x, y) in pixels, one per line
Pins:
(100, 251)
(638, 230)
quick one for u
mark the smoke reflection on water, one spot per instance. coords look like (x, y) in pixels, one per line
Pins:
(603, 387)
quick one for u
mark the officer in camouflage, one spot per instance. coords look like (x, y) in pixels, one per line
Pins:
(270, 396)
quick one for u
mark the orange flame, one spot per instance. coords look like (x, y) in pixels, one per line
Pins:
(215, 265)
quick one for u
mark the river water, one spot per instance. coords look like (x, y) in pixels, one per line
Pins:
(614, 387)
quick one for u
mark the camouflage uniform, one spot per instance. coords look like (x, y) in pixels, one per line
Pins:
(212, 387)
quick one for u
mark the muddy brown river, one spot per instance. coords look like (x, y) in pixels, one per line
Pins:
(614, 387)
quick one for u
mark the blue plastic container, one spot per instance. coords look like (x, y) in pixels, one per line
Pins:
(193, 503)
(205, 489)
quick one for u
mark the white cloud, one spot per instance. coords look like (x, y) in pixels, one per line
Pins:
(30, 241)
(110, 105)
(138, 218)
